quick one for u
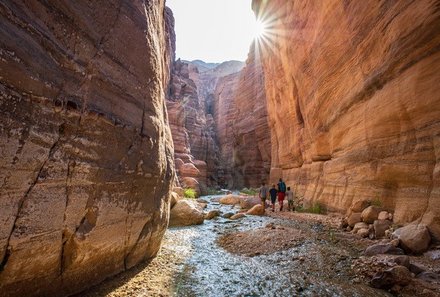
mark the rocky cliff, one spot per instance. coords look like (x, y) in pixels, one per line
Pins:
(86, 157)
(240, 114)
(190, 107)
(353, 102)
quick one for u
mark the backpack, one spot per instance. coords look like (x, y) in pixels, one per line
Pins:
(282, 187)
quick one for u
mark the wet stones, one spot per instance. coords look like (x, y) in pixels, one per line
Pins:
(212, 214)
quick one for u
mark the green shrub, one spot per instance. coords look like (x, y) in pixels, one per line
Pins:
(190, 193)
(315, 208)
(250, 192)
(376, 202)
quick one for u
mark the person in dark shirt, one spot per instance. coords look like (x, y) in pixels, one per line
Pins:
(273, 196)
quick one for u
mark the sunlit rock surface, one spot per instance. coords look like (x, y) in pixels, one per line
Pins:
(243, 133)
(86, 157)
(192, 123)
(354, 102)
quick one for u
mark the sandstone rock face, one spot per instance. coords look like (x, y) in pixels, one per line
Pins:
(353, 102)
(86, 154)
(240, 113)
(191, 120)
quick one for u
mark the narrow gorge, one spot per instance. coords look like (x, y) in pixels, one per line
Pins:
(102, 128)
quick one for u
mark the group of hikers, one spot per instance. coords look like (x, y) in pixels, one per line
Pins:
(279, 191)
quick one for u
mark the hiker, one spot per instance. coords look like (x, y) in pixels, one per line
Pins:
(290, 194)
(263, 194)
(281, 193)
(273, 196)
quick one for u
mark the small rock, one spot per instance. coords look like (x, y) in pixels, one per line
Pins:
(370, 214)
(429, 277)
(383, 215)
(359, 226)
(228, 215)
(237, 216)
(390, 217)
(212, 214)
(348, 229)
(380, 226)
(398, 275)
(416, 268)
(363, 232)
(200, 200)
(382, 248)
(402, 260)
(413, 238)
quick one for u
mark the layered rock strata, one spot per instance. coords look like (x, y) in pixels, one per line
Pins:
(353, 102)
(190, 108)
(86, 154)
(242, 126)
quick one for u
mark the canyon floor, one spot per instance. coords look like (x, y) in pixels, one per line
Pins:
(280, 254)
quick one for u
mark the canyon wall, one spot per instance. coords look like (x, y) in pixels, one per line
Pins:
(190, 107)
(86, 152)
(242, 128)
(354, 103)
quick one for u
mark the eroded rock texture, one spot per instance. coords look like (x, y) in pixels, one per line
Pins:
(242, 127)
(86, 157)
(190, 108)
(354, 102)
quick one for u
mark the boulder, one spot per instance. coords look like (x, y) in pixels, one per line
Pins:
(174, 198)
(249, 202)
(359, 205)
(354, 218)
(383, 215)
(363, 232)
(212, 214)
(186, 213)
(398, 275)
(413, 238)
(380, 226)
(257, 210)
(370, 214)
(383, 248)
(358, 226)
(237, 216)
(189, 170)
(179, 190)
(230, 199)
(190, 182)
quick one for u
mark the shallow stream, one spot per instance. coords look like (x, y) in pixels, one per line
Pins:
(209, 270)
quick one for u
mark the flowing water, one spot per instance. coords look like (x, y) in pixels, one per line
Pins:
(209, 270)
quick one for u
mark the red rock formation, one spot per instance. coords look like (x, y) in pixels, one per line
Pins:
(192, 123)
(353, 102)
(242, 126)
(86, 160)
